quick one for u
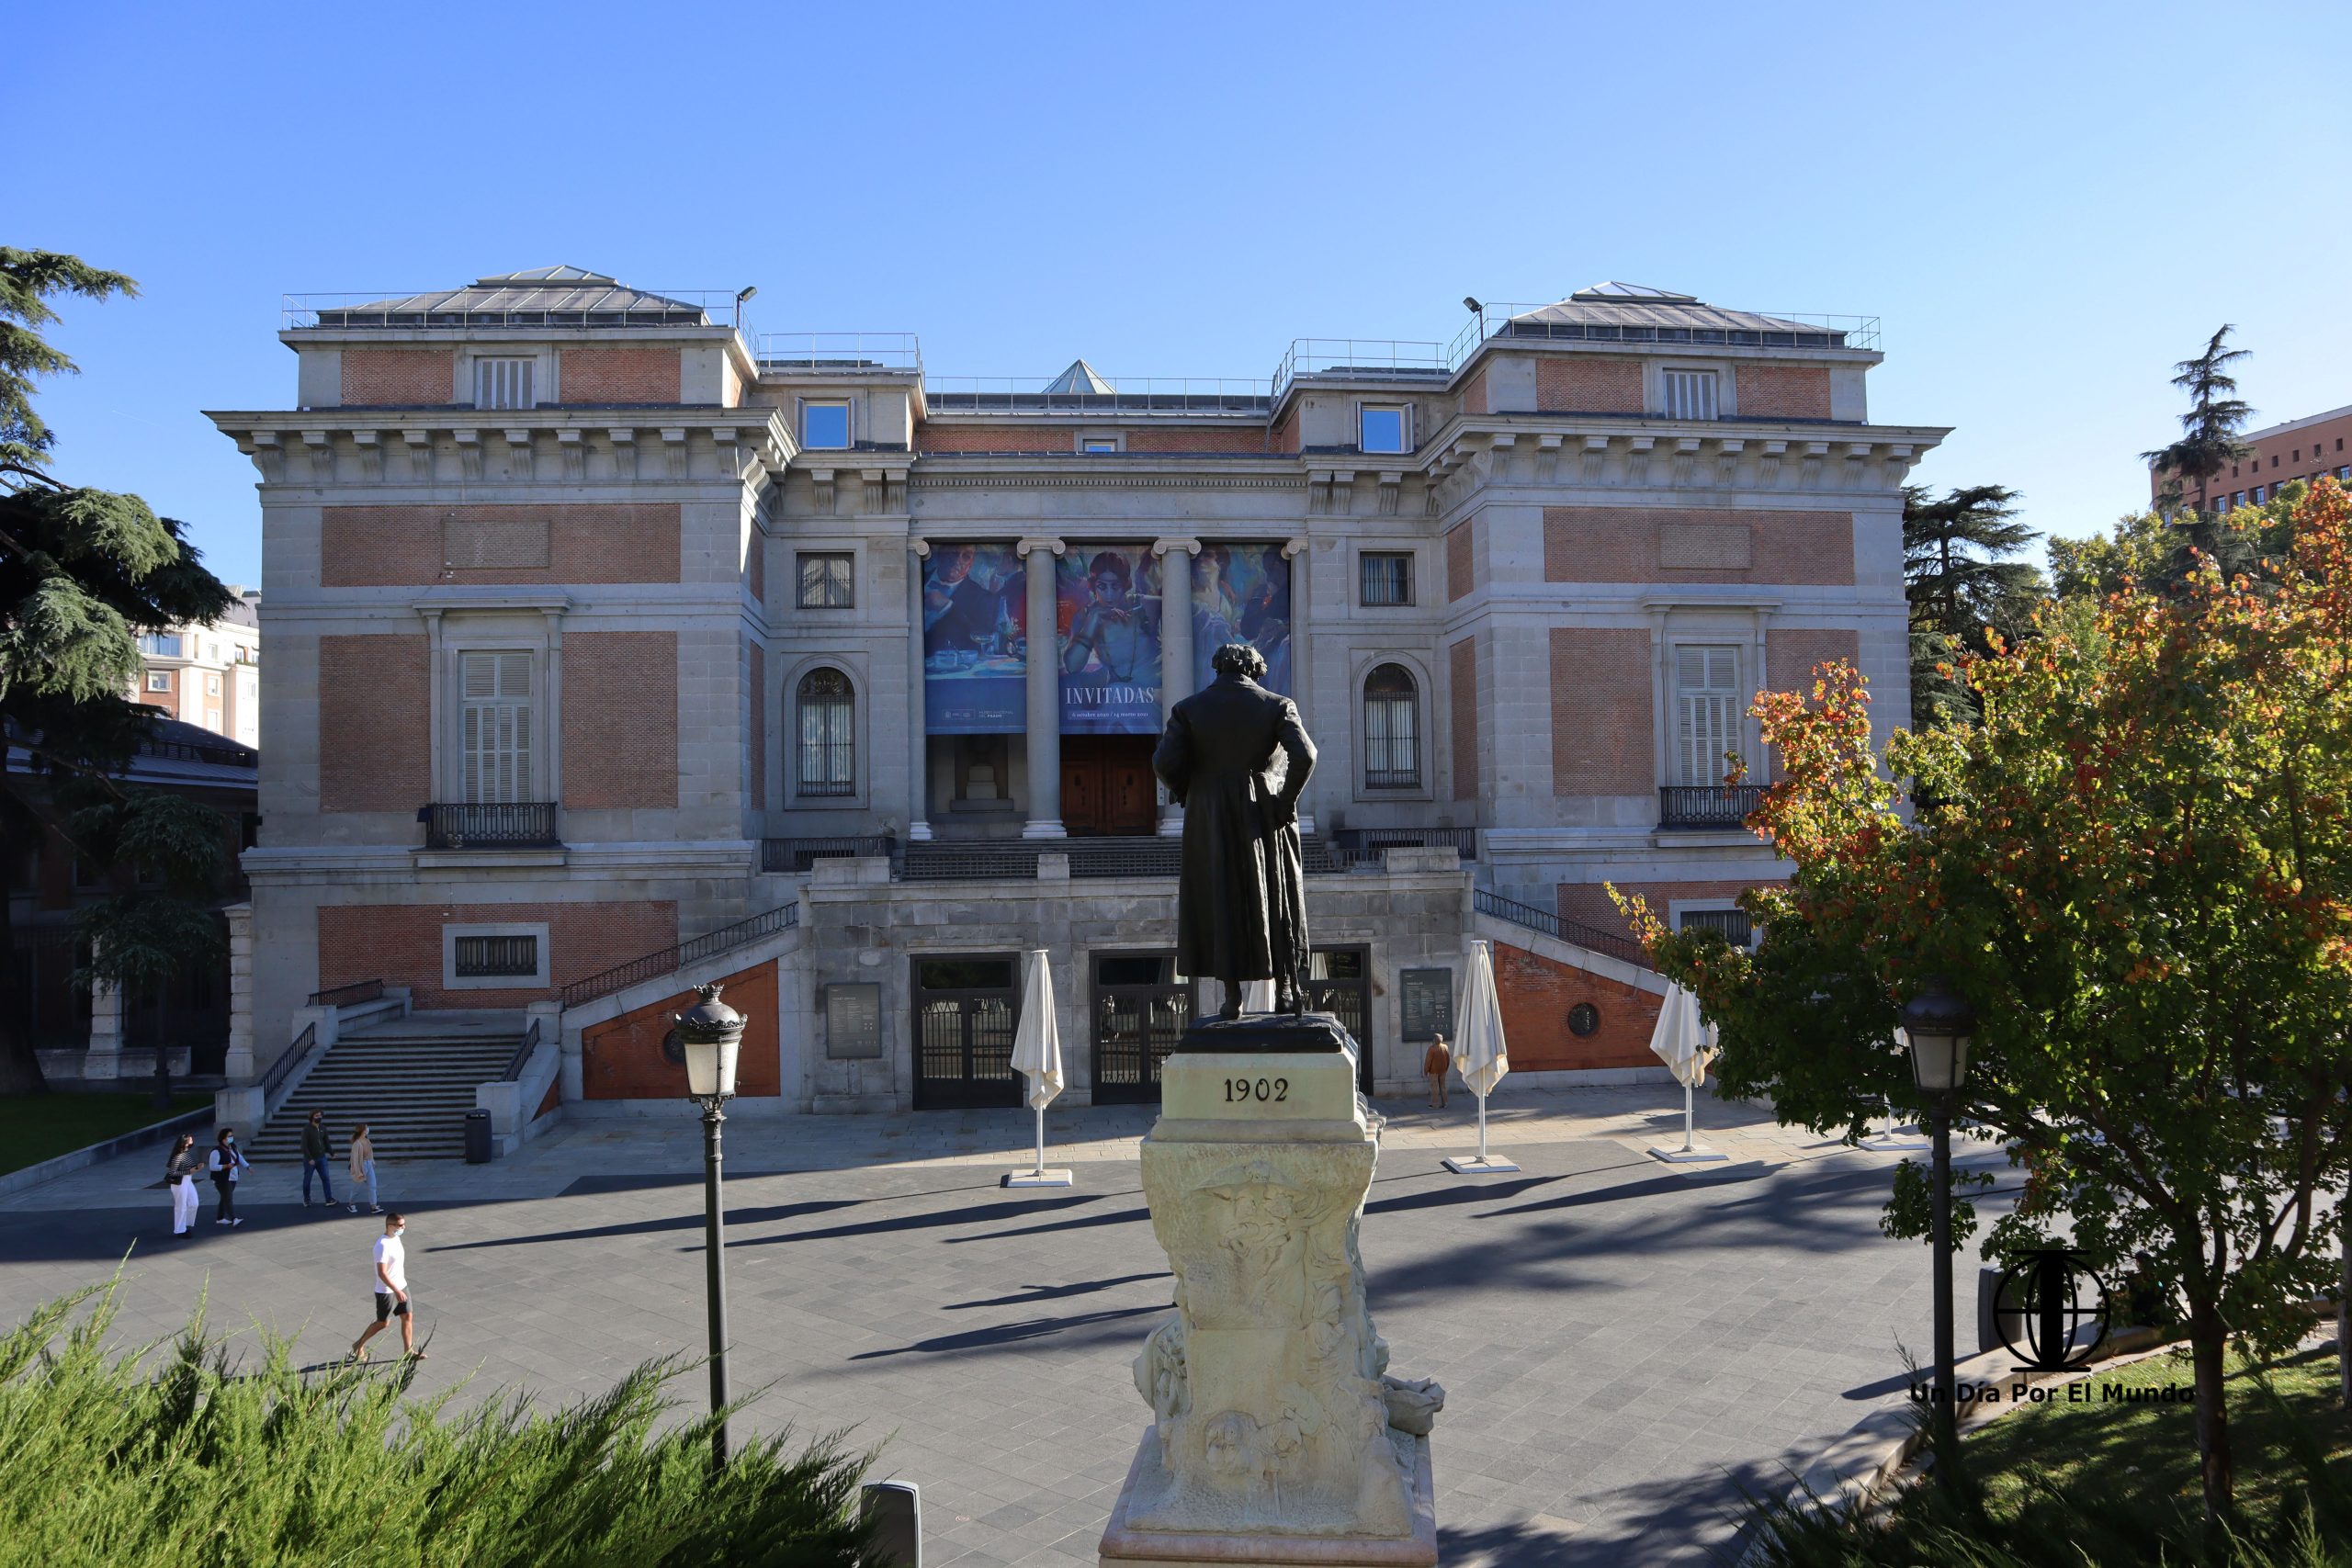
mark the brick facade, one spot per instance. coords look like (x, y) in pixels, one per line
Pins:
(397, 546)
(375, 724)
(1588, 902)
(1634, 544)
(1537, 995)
(1047, 440)
(399, 377)
(648, 374)
(623, 1059)
(1461, 555)
(1783, 391)
(621, 720)
(1603, 739)
(1286, 434)
(401, 945)
(1250, 441)
(1463, 675)
(1574, 384)
(1792, 652)
(1474, 393)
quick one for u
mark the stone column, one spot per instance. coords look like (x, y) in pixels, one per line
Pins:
(104, 1058)
(918, 738)
(239, 1066)
(1175, 644)
(1301, 557)
(1045, 722)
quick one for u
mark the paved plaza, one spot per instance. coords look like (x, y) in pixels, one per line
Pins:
(1625, 1344)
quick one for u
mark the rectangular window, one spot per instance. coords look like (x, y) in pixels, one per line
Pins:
(158, 681)
(1388, 577)
(2257, 495)
(825, 580)
(503, 384)
(1737, 929)
(828, 737)
(212, 685)
(824, 426)
(2237, 499)
(1706, 712)
(162, 645)
(1380, 427)
(494, 726)
(501, 957)
(1098, 444)
(1690, 394)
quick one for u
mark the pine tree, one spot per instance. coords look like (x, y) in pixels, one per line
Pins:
(2208, 442)
(83, 573)
(1959, 576)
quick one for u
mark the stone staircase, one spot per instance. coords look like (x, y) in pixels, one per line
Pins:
(411, 1079)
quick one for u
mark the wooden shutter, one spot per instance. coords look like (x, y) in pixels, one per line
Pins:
(1706, 703)
(494, 726)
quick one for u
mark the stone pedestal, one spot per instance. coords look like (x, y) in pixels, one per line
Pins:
(1276, 1436)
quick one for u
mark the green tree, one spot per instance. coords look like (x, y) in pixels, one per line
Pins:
(2144, 548)
(2209, 441)
(82, 572)
(2138, 867)
(1962, 581)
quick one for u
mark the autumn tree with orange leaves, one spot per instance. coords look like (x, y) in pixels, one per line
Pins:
(2137, 866)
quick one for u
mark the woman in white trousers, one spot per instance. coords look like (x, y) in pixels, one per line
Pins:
(179, 1175)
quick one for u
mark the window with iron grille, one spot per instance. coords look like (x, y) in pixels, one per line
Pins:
(1706, 712)
(1388, 577)
(828, 734)
(501, 957)
(503, 384)
(1392, 730)
(1732, 923)
(494, 726)
(1690, 394)
(825, 582)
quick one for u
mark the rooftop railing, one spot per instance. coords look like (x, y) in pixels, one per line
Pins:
(854, 354)
(387, 310)
(1383, 358)
(1130, 394)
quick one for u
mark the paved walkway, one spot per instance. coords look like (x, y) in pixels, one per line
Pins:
(1625, 1344)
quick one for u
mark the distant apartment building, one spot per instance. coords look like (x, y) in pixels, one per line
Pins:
(613, 649)
(2300, 449)
(210, 675)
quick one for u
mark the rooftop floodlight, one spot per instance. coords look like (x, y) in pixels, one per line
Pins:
(1471, 305)
(745, 292)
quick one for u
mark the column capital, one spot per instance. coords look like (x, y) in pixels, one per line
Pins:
(921, 549)
(1025, 548)
(1163, 547)
(1294, 546)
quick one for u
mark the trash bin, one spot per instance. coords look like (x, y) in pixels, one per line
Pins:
(895, 1510)
(477, 1137)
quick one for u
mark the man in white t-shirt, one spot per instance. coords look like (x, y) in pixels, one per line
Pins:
(387, 1275)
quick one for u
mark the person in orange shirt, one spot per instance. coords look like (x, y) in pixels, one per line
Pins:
(1435, 1064)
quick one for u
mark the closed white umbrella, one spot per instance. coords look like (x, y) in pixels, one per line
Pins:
(1037, 1053)
(1686, 1043)
(1481, 1054)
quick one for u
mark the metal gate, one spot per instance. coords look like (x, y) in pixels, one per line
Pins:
(1339, 981)
(1140, 1009)
(966, 1009)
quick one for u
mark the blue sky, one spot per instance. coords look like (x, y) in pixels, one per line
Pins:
(2047, 205)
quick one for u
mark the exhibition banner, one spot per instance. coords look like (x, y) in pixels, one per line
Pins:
(1107, 615)
(975, 641)
(1241, 594)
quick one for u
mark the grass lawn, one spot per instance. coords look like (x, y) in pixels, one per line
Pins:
(42, 1126)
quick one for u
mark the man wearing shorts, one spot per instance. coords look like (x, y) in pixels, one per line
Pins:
(388, 1275)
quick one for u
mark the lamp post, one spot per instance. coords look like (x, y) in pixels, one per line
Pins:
(1936, 1028)
(710, 1033)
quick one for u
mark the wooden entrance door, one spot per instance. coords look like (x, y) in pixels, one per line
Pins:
(1107, 785)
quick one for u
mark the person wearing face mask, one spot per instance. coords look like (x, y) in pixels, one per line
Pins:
(226, 1162)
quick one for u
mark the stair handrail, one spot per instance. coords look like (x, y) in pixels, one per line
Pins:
(670, 960)
(354, 993)
(1561, 929)
(287, 1059)
(521, 1056)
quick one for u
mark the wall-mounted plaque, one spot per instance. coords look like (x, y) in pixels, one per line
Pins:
(1428, 1002)
(853, 1021)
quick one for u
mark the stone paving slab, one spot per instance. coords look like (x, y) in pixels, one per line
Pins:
(1625, 1344)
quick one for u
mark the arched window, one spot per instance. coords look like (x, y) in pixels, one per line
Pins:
(1392, 730)
(828, 734)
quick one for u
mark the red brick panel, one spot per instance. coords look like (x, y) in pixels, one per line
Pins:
(1285, 436)
(398, 378)
(401, 945)
(1790, 654)
(1570, 383)
(1474, 393)
(1588, 902)
(1464, 674)
(1623, 543)
(1537, 995)
(1783, 391)
(390, 547)
(1461, 548)
(1603, 737)
(375, 724)
(1248, 441)
(621, 720)
(623, 1059)
(638, 374)
(932, 436)
(759, 726)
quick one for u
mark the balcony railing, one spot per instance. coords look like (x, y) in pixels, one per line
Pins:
(1464, 840)
(1721, 807)
(792, 855)
(503, 825)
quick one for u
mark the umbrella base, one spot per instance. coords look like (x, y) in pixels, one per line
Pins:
(1675, 1154)
(1471, 1164)
(1037, 1179)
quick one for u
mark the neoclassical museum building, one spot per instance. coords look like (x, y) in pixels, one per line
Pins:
(615, 647)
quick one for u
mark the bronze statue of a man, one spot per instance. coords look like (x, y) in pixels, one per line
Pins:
(1241, 904)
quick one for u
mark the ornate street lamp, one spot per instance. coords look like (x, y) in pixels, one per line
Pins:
(1937, 1024)
(710, 1033)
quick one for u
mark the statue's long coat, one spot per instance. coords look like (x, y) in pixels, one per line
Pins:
(1241, 904)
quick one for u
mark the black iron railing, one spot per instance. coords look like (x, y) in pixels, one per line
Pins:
(287, 1062)
(349, 996)
(1560, 929)
(670, 960)
(521, 1056)
(1707, 805)
(501, 825)
(1463, 840)
(795, 854)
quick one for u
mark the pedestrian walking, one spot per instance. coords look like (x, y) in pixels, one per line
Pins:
(1435, 1063)
(317, 1148)
(387, 1275)
(179, 1178)
(363, 1169)
(226, 1162)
